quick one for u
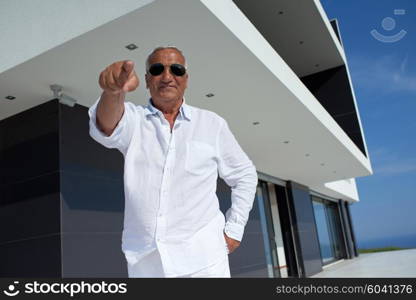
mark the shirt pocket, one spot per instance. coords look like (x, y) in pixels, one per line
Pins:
(200, 157)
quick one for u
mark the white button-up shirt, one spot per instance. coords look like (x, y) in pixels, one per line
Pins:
(170, 180)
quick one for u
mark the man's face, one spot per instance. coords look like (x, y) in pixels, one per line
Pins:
(167, 87)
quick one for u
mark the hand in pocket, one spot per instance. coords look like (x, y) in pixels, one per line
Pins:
(232, 244)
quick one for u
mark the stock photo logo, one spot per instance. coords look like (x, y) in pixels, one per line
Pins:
(11, 291)
(389, 24)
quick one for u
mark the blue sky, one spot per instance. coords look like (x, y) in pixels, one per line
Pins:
(384, 80)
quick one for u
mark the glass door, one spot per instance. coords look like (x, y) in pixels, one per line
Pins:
(328, 224)
(335, 229)
(324, 236)
(278, 236)
(267, 229)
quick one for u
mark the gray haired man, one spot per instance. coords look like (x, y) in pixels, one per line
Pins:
(173, 153)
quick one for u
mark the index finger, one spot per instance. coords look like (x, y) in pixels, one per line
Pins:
(126, 69)
(128, 66)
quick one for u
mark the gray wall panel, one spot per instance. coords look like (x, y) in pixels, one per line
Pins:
(36, 257)
(249, 259)
(347, 230)
(92, 255)
(29, 193)
(92, 195)
(307, 244)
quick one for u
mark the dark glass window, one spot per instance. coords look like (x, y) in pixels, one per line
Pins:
(329, 229)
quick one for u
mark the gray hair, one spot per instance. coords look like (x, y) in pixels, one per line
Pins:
(162, 48)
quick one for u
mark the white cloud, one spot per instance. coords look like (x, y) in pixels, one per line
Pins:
(396, 168)
(388, 73)
(383, 154)
(403, 65)
(387, 161)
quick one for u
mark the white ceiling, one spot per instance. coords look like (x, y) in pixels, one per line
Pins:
(245, 90)
(299, 31)
(31, 27)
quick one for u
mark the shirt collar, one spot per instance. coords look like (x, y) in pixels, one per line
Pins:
(184, 110)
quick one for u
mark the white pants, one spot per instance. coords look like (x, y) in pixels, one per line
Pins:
(150, 266)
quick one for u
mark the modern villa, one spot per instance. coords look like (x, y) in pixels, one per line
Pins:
(277, 72)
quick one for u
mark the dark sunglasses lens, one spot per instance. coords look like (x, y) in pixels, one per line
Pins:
(156, 69)
(178, 69)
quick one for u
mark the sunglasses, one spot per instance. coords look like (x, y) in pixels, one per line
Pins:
(175, 69)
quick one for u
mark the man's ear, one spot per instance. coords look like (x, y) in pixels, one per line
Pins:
(187, 78)
(146, 77)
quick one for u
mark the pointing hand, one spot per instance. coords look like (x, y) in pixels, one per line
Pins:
(119, 77)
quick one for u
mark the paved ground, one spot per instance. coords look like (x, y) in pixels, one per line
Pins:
(401, 263)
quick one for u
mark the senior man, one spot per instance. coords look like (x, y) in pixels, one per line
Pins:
(173, 153)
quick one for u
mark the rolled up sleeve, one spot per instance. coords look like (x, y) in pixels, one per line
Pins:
(122, 134)
(240, 174)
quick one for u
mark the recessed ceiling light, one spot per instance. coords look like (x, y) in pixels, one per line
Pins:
(209, 95)
(256, 123)
(132, 46)
(286, 142)
(10, 97)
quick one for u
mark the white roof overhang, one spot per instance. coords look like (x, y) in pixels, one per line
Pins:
(227, 56)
